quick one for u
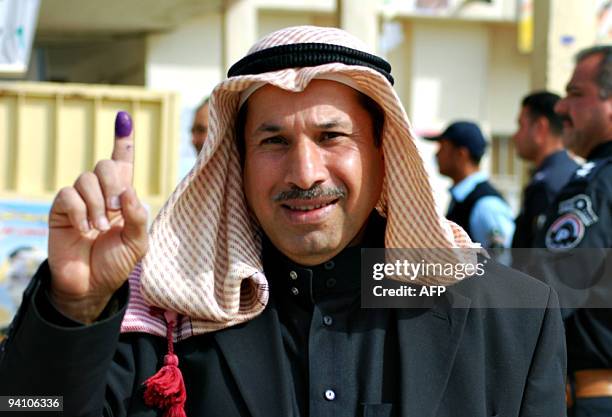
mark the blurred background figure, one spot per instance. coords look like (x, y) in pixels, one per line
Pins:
(15, 274)
(475, 204)
(19, 268)
(199, 127)
(539, 140)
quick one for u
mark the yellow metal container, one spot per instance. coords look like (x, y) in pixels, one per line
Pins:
(49, 133)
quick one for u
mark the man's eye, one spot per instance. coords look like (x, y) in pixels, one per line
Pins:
(274, 140)
(331, 135)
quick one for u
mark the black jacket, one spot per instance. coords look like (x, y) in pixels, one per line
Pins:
(546, 182)
(577, 261)
(455, 359)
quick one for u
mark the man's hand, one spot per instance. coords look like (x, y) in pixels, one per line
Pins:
(97, 232)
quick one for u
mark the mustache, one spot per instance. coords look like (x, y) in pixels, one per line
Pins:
(297, 193)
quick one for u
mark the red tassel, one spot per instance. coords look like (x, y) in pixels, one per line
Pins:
(166, 389)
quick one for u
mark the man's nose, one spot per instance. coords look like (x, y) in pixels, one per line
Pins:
(306, 165)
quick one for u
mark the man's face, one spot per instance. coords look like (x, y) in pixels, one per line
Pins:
(199, 129)
(312, 172)
(587, 117)
(447, 157)
(524, 138)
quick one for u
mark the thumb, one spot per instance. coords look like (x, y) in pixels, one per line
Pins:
(135, 216)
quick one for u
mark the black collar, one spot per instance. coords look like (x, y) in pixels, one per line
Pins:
(603, 150)
(339, 275)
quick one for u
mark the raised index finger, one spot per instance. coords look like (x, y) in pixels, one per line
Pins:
(123, 149)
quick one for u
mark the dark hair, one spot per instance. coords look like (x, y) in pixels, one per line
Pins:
(475, 159)
(604, 73)
(372, 107)
(542, 104)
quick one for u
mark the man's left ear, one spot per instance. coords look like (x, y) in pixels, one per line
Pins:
(542, 129)
(463, 153)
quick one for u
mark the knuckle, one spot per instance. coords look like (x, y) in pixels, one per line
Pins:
(68, 199)
(106, 172)
(64, 196)
(104, 165)
(64, 193)
(85, 179)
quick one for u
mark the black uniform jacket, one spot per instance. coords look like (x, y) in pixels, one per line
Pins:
(454, 359)
(577, 260)
(546, 182)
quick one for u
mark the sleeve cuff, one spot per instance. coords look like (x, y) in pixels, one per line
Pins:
(48, 312)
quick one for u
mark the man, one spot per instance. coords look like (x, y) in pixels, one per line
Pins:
(578, 234)
(259, 251)
(476, 205)
(199, 127)
(539, 140)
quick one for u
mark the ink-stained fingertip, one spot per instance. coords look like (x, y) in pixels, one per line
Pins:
(123, 124)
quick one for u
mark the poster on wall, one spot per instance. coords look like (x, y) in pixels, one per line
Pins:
(604, 21)
(432, 6)
(18, 20)
(23, 246)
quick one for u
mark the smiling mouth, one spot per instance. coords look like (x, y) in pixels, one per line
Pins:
(308, 207)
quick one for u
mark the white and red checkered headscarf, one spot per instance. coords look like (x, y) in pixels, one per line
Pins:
(204, 260)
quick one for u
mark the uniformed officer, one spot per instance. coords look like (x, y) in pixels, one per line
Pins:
(475, 205)
(538, 140)
(581, 219)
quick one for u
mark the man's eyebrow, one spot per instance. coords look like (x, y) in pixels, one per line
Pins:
(332, 124)
(268, 128)
(329, 124)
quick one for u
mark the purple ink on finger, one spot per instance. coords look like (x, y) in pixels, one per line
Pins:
(123, 124)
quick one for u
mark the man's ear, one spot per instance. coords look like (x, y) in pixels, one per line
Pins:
(463, 154)
(542, 130)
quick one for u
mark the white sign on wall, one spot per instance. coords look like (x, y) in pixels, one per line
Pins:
(17, 28)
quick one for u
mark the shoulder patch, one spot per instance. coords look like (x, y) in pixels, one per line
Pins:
(580, 205)
(585, 169)
(565, 233)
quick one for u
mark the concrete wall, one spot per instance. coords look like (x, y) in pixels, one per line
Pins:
(109, 60)
(188, 60)
(449, 63)
(271, 20)
(508, 79)
(449, 70)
